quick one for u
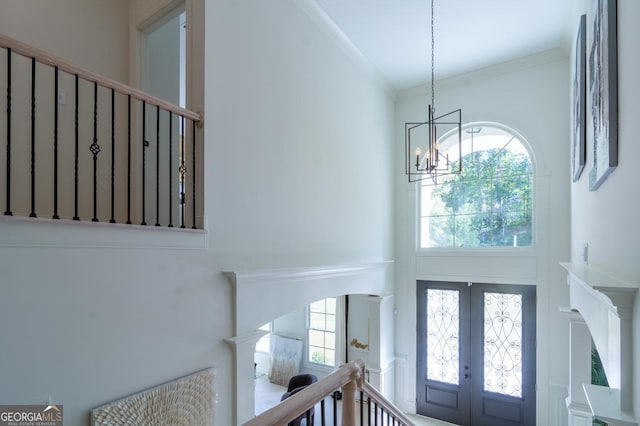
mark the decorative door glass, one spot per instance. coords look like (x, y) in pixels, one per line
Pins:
(503, 343)
(443, 331)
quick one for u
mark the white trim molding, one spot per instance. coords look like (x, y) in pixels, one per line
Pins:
(605, 304)
(258, 294)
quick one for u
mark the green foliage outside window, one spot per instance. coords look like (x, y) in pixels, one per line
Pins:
(487, 205)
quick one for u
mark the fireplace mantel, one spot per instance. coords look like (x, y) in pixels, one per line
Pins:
(605, 304)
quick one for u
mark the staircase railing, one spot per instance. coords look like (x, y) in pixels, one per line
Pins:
(371, 408)
(114, 154)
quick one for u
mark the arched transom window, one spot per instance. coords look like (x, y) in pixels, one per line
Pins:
(489, 204)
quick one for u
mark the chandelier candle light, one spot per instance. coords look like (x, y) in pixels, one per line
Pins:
(422, 140)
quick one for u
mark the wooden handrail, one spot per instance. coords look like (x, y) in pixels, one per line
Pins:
(297, 404)
(348, 377)
(63, 65)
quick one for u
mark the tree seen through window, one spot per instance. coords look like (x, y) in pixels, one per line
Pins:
(489, 204)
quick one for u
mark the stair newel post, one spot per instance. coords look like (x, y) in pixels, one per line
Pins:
(349, 398)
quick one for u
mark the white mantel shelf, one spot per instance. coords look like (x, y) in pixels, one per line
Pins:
(606, 305)
(605, 404)
(598, 280)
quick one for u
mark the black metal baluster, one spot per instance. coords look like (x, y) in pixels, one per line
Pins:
(95, 150)
(369, 411)
(144, 160)
(335, 408)
(55, 146)
(375, 414)
(308, 417)
(75, 173)
(361, 408)
(129, 159)
(113, 155)
(157, 165)
(8, 212)
(33, 138)
(322, 412)
(170, 169)
(182, 169)
(193, 174)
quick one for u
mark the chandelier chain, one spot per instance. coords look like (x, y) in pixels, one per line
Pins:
(433, 62)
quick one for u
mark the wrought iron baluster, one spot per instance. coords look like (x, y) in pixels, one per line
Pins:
(33, 138)
(7, 211)
(193, 174)
(361, 408)
(170, 169)
(129, 159)
(95, 150)
(75, 164)
(335, 407)
(182, 170)
(322, 412)
(375, 414)
(157, 165)
(144, 160)
(369, 411)
(55, 145)
(113, 155)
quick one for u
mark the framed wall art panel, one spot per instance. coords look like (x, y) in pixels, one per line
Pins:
(602, 45)
(579, 133)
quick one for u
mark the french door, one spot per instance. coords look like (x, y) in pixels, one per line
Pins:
(476, 360)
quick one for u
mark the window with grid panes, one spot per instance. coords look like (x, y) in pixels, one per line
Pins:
(321, 332)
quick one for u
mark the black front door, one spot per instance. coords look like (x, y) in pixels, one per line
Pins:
(476, 353)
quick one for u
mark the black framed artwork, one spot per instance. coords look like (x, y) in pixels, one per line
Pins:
(579, 134)
(603, 89)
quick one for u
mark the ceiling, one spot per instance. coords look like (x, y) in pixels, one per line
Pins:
(395, 35)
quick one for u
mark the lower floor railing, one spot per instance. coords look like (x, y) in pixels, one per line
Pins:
(361, 404)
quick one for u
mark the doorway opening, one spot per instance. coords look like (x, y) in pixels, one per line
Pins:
(163, 74)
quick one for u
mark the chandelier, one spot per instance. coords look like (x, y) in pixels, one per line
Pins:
(423, 157)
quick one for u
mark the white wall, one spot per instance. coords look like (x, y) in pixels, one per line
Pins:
(93, 34)
(529, 96)
(606, 219)
(300, 140)
(298, 171)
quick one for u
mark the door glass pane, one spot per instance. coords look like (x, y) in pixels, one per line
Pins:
(503, 343)
(443, 330)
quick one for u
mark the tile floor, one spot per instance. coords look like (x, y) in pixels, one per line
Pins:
(267, 395)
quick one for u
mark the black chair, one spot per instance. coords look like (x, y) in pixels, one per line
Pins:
(296, 384)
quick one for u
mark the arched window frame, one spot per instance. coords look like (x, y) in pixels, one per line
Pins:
(534, 167)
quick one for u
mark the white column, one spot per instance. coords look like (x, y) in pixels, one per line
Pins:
(624, 301)
(579, 369)
(244, 348)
